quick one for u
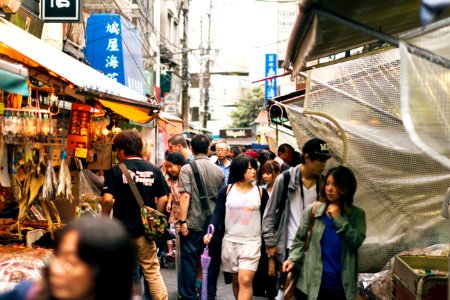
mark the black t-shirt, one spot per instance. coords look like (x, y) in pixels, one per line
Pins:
(150, 183)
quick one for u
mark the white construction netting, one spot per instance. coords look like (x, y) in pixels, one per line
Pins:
(400, 186)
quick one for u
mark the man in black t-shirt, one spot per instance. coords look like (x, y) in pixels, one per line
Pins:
(117, 195)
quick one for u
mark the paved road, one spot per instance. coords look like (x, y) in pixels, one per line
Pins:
(224, 291)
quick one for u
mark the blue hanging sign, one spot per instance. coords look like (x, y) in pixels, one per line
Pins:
(271, 70)
(112, 47)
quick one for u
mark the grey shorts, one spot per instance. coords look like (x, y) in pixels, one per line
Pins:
(238, 256)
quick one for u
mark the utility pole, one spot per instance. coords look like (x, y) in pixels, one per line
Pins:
(184, 69)
(207, 75)
(201, 82)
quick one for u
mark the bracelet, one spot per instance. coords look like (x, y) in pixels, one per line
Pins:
(181, 222)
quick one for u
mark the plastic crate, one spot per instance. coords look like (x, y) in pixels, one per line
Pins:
(421, 277)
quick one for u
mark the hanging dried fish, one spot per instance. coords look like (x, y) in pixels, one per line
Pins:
(64, 190)
(50, 183)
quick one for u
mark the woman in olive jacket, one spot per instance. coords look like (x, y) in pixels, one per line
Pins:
(336, 229)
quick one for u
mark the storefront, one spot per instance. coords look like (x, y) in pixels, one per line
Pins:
(57, 116)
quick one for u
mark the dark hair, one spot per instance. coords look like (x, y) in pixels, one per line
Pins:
(176, 158)
(264, 156)
(178, 139)
(271, 166)
(235, 150)
(130, 141)
(105, 246)
(313, 148)
(296, 159)
(282, 148)
(200, 144)
(239, 166)
(345, 183)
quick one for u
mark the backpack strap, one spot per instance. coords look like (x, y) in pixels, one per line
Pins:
(229, 188)
(312, 218)
(284, 197)
(132, 185)
(199, 183)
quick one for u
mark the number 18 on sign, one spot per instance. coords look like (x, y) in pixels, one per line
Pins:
(271, 84)
(60, 10)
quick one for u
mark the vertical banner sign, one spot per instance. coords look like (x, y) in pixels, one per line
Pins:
(112, 48)
(271, 70)
(60, 10)
(78, 137)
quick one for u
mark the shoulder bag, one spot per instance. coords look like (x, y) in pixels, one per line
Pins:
(291, 280)
(154, 222)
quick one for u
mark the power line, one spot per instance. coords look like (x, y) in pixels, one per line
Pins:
(126, 45)
(147, 51)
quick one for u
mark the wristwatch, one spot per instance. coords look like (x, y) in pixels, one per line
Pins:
(181, 222)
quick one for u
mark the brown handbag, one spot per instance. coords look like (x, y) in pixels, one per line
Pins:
(291, 279)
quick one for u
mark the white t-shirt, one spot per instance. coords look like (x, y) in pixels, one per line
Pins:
(296, 208)
(243, 217)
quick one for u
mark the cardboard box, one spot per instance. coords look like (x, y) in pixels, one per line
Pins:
(421, 277)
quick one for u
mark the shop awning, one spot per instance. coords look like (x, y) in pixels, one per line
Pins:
(316, 35)
(13, 78)
(29, 50)
(133, 113)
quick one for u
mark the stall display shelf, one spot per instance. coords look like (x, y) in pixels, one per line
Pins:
(18, 263)
(420, 277)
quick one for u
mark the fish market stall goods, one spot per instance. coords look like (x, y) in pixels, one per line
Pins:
(18, 264)
(33, 183)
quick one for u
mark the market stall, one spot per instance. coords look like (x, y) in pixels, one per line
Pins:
(57, 121)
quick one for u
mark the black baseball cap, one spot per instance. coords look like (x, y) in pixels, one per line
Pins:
(317, 148)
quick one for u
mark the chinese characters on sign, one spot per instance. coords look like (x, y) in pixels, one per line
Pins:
(112, 61)
(271, 84)
(60, 10)
(112, 47)
(78, 135)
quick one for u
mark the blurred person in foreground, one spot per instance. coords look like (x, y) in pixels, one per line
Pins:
(337, 229)
(118, 197)
(237, 216)
(93, 260)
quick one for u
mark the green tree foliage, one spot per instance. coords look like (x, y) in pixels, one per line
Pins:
(247, 109)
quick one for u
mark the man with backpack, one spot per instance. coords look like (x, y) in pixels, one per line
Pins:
(295, 189)
(199, 184)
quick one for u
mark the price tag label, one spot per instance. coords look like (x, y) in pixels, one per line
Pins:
(81, 152)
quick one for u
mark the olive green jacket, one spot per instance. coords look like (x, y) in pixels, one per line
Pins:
(351, 227)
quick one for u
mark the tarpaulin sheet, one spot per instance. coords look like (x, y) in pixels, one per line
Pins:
(400, 187)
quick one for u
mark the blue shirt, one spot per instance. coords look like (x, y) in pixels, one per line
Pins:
(225, 170)
(331, 256)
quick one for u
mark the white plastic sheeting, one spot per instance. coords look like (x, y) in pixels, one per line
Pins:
(399, 186)
(425, 91)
